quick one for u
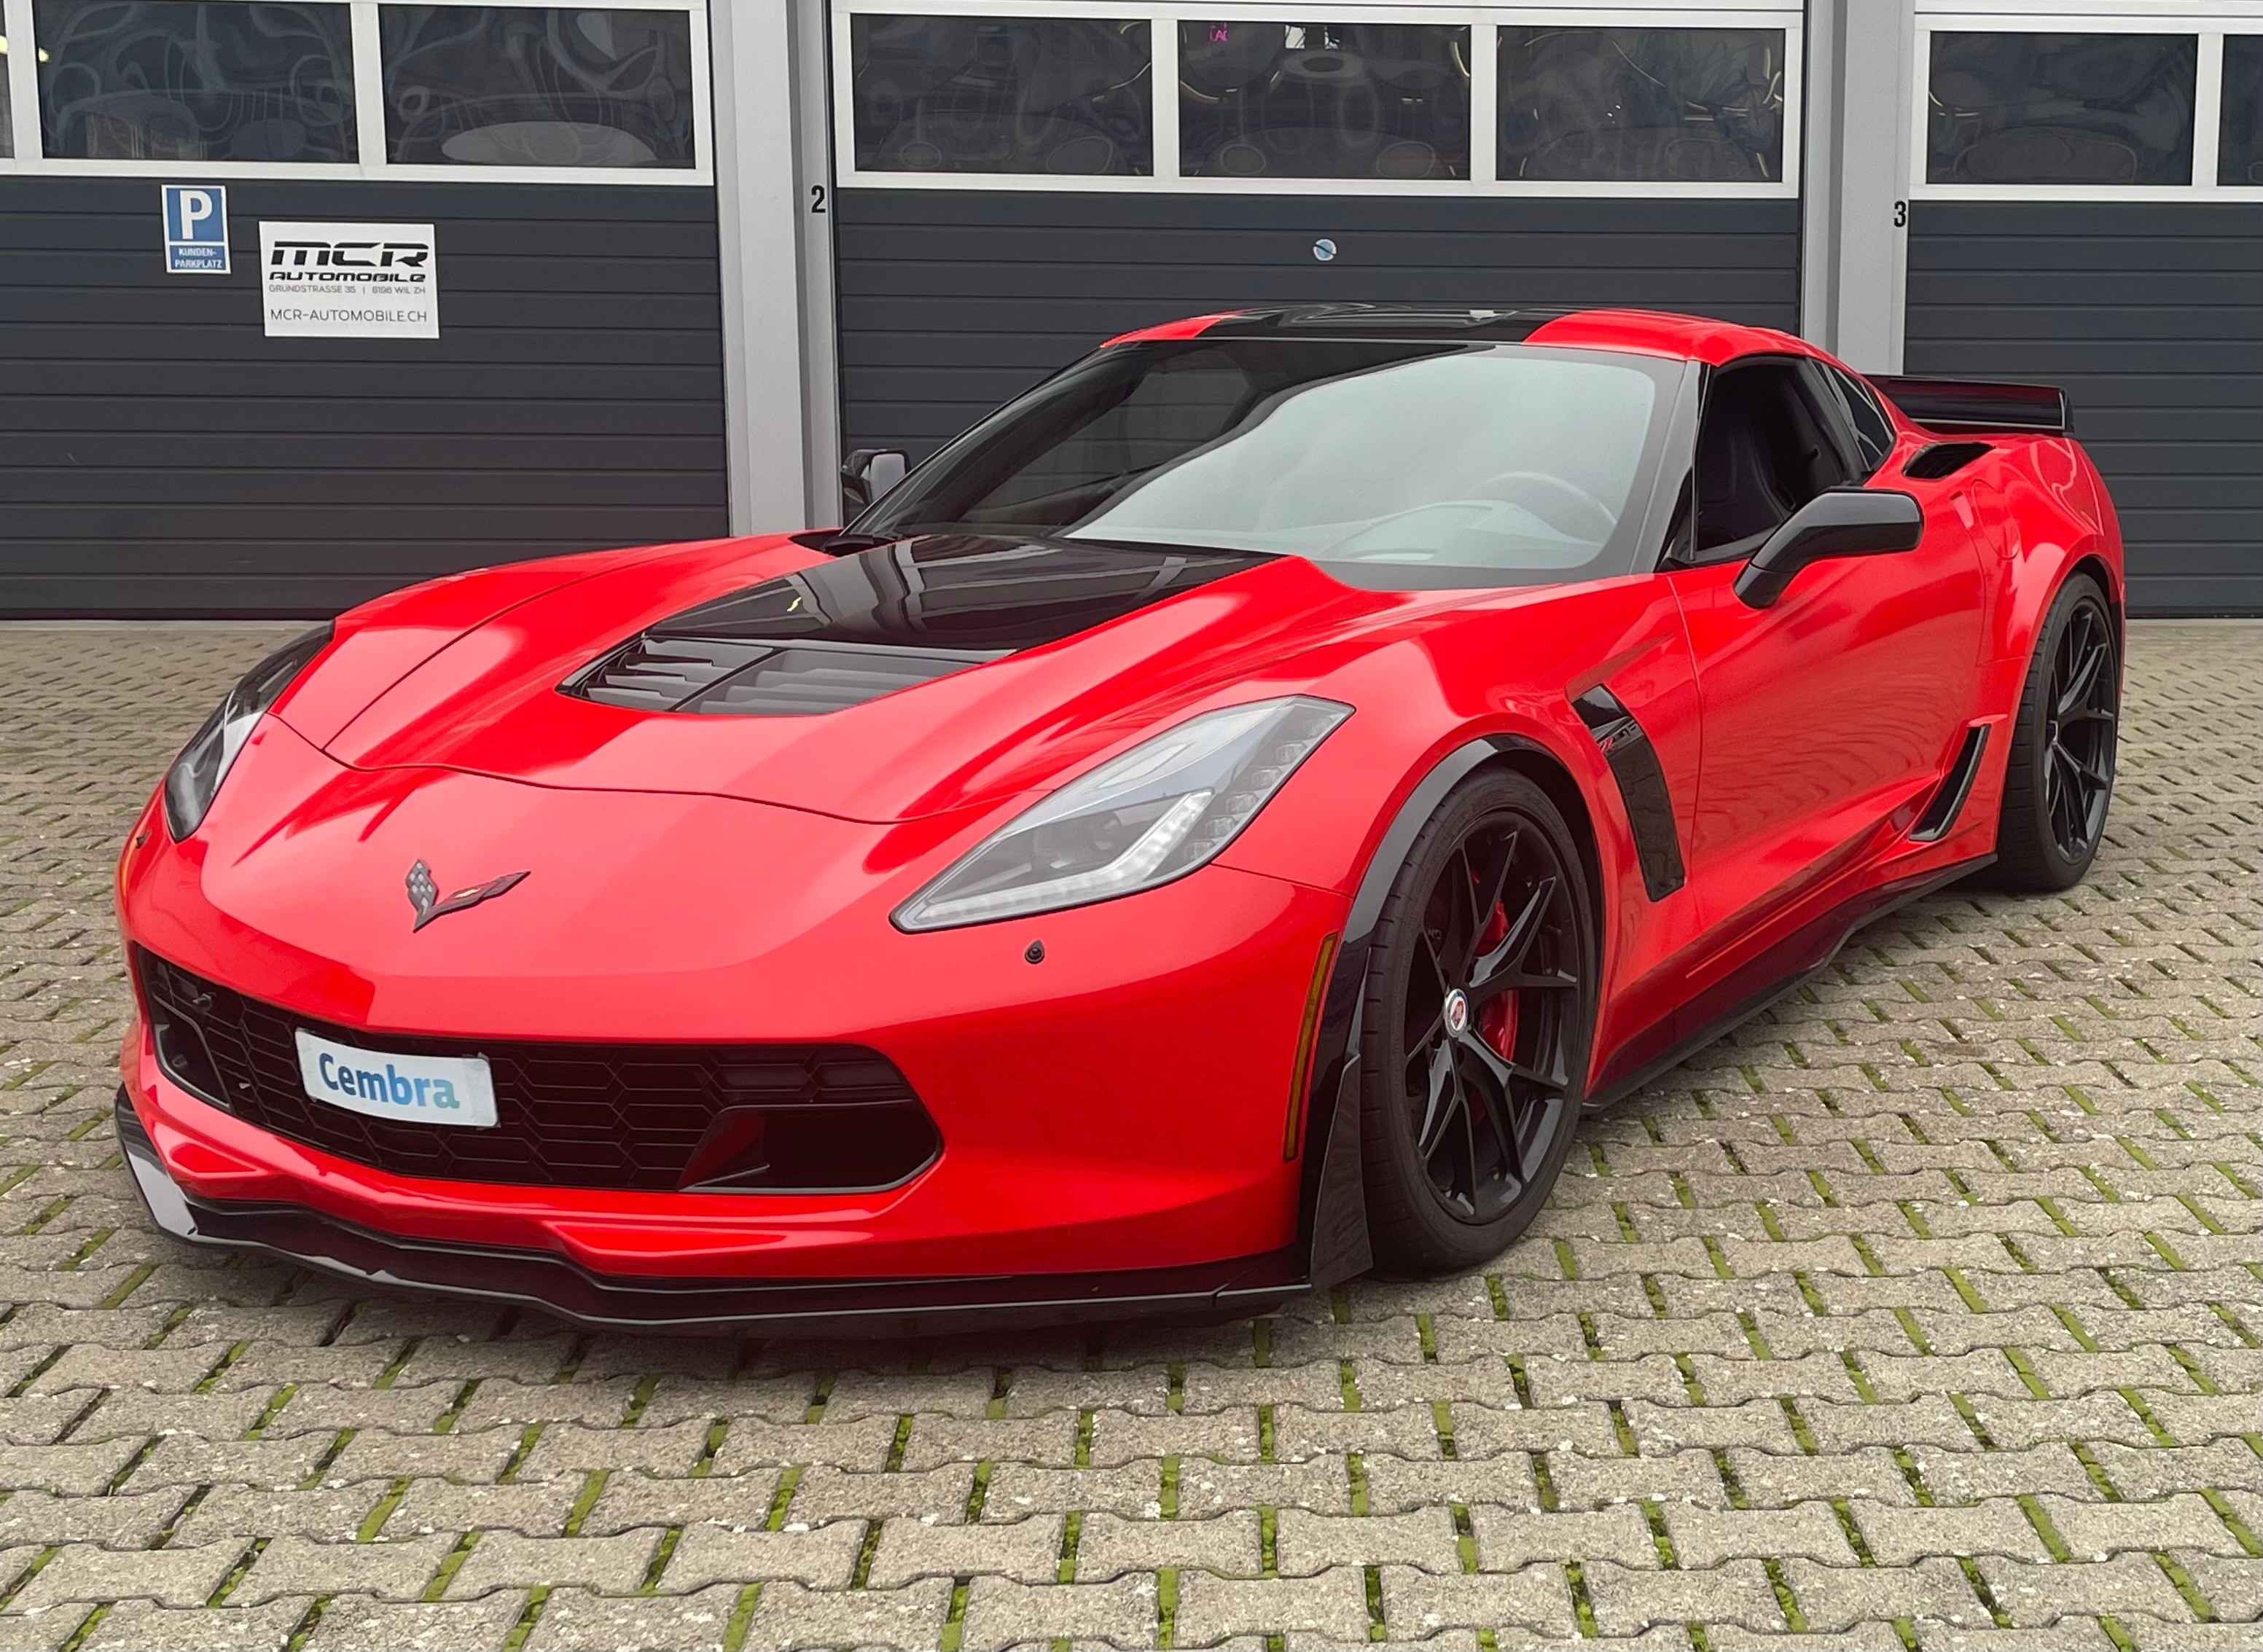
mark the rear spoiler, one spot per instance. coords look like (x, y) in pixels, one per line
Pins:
(1977, 404)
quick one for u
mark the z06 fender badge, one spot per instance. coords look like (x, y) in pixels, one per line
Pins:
(424, 894)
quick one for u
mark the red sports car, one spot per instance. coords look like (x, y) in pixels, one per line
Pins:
(1210, 830)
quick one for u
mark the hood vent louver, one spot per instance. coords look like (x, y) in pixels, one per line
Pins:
(723, 678)
(890, 617)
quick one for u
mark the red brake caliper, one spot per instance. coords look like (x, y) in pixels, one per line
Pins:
(1497, 1020)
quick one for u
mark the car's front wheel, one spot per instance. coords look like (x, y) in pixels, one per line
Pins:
(1474, 1042)
(2059, 779)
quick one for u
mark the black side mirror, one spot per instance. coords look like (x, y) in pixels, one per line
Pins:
(868, 474)
(1846, 522)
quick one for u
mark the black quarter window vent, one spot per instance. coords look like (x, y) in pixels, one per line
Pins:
(1942, 459)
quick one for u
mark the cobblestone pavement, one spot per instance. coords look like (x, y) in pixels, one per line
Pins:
(1922, 1313)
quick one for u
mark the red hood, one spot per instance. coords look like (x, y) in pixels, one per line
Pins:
(490, 703)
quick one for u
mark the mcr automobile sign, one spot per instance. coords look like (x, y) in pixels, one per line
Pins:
(349, 280)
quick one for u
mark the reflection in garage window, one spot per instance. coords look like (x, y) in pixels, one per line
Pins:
(2240, 159)
(164, 80)
(1388, 100)
(1636, 105)
(536, 86)
(1071, 96)
(2062, 109)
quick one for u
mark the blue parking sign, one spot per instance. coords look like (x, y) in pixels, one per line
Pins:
(196, 230)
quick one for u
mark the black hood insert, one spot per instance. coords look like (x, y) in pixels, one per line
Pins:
(847, 630)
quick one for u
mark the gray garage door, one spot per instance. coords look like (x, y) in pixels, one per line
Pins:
(950, 302)
(1014, 190)
(2151, 317)
(165, 457)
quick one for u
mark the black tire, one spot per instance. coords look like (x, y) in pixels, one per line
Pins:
(1460, 1142)
(2058, 783)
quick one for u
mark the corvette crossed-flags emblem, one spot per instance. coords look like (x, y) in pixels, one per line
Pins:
(424, 894)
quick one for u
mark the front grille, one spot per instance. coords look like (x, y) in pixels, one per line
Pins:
(755, 1118)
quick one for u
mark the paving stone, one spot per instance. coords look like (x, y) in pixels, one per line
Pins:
(1028, 1549)
(1838, 1597)
(1535, 1599)
(511, 1560)
(1110, 1546)
(1001, 1612)
(576, 1620)
(356, 1624)
(137, 1625)
(1509, 1540)
(1329, 1606)
(823, 1557)
(1704, 1537)
(295, 1566)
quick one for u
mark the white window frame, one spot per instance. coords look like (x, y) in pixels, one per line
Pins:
(2210, 24)
(1484, 22)
(369, 118)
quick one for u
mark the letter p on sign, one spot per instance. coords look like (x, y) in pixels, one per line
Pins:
(196, 229)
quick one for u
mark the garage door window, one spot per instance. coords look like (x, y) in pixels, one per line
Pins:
(566, 86)
(1371, 98)
(1343, 100)
(1621, 104)
(1060, 95)
(165, 81)
(2095, 109)
(2239, 154)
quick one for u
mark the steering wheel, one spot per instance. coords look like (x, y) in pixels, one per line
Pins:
(1598, 520)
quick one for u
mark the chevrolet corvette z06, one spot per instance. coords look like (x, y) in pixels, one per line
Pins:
(1208, 831)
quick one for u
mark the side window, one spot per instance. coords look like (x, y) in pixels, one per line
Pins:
(1765, 448)
(1873, 432)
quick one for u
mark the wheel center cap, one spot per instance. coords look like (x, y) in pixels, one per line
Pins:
(1457, 1011)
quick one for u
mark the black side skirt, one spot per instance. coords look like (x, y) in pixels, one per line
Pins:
(883, 1307)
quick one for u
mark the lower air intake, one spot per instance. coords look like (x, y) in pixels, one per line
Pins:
(736, 1118)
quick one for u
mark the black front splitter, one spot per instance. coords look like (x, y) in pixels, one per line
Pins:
(865, 1308)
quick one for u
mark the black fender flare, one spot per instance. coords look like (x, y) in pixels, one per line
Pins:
(1332, 1202)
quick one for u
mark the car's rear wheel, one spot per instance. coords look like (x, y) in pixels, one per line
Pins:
(2059, 779)
(1474, 1042)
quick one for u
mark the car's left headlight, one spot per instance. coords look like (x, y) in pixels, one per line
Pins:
(1157, 812)
(193, 781)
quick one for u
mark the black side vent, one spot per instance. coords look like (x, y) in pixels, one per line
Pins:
(1947, 800)
(1942, 459)
(1634, 763)
(652, 673)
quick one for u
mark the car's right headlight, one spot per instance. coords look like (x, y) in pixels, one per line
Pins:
(1155, 813)
(193, 781)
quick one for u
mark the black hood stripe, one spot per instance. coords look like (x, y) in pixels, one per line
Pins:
(847, 630)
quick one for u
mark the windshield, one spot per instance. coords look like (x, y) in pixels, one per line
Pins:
(1494, 464)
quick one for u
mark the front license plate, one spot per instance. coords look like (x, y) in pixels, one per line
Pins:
(431, 1089)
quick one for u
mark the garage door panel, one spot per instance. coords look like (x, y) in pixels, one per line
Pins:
(135, 347)
(2151, 316)
(261, 526)
(1984, 324)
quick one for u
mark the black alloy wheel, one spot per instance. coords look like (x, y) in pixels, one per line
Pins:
(1475, 1039)
(2059, 781)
